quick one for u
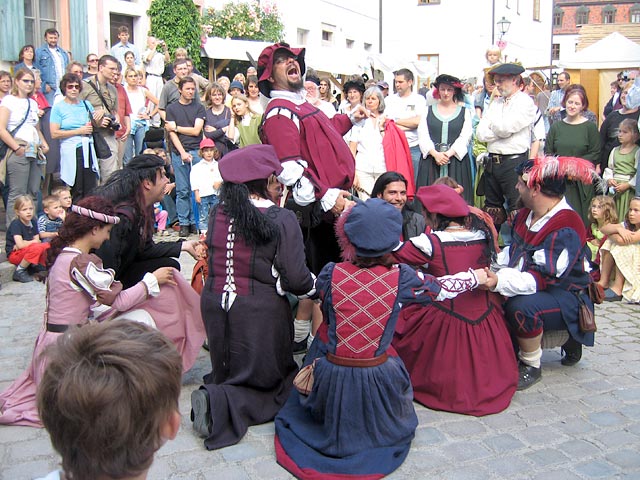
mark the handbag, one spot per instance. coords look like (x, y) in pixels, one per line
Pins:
(596, 293)
(303, 381)
(99, 143)
(3, 146)
(586, 317)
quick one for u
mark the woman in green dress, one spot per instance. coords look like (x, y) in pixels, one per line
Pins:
(575, 136)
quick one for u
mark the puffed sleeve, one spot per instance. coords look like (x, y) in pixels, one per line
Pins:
(289, 263)
(418, 287)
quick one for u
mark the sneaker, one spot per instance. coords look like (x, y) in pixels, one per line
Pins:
(36, 268)
(300, 347)
(22, 276)
(201, 412)
(572, 352)
(528, 375)
(184, 231)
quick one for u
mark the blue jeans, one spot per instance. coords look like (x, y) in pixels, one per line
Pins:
(170, 206)
(135, 142)
(416, 155)
(182, 171)
(206, 203)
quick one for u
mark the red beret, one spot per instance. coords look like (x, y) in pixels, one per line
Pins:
(444, 200)
(253, 162)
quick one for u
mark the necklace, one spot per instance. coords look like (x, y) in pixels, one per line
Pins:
(455, 227)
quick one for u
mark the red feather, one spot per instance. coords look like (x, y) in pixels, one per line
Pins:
(573, 168)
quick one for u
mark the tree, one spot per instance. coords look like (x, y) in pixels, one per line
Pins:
(179, 24)
(245, 21)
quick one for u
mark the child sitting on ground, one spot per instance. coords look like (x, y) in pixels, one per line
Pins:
(206, 182)
(24, 248)
(51, 220)
(602, 211)
(623, 246)
(109, 399)
(64, 195)
(161, 217)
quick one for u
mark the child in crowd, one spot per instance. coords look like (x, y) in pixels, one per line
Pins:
(623, 246)
(602, 211)
(51, 220)
(63, 193)
(356, 420)
(161, 216)
(117, 380)
(206, 181)
(620, 174)
(24, 248)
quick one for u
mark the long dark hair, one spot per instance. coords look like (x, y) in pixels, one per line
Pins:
(76, 226)
(123, 189)
(250, 224)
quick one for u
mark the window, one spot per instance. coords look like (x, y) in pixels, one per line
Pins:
(367, 47)
(327, 37)
(350, 43)
(634, 13)
(302, 36)
(428, 2)
(582, 16)
(558, 13)
(38, 16)
(536, 10)
(118, 21)
(555, 51)
(609, 14)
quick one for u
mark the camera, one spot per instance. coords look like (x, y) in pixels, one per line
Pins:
(113, 124)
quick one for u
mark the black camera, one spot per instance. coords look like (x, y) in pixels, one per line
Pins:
(113, 123)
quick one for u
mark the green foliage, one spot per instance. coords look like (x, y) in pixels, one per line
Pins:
(244, 21)
(178, 23)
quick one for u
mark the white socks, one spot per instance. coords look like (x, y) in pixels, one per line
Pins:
(302, 328)
(531, 358)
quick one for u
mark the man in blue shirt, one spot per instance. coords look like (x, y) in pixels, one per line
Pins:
(52, 61)
(124, 46)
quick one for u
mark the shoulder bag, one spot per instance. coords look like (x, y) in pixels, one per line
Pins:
(3, 146)
(99, 143)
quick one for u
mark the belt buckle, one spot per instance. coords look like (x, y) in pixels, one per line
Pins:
(496, 158)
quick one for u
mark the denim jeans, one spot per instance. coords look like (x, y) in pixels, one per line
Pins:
(416, 155)
(206, 203)
(182, 171)
(135, 142)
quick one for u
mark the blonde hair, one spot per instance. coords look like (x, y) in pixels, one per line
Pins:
(245, 100)
(21, 201)
(20, 74)
(609, 212)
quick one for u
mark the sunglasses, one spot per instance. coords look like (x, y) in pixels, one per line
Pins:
(73, 87)
(26, 80)
(93, 60)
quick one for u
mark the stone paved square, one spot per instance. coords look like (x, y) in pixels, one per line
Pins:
(579, 422)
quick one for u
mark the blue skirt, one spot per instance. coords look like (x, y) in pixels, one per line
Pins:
(357, 422)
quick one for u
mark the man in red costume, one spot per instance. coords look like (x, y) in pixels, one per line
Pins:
(318, 166)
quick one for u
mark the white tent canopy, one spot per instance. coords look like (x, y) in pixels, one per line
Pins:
(615, 51)
(324, 59)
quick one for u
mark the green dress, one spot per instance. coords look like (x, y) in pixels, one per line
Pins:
(583, 141)
(249, 133)
(622, 167)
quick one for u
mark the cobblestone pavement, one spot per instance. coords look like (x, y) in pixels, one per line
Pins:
(580, 422)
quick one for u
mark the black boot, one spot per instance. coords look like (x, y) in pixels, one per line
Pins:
(184, 231)
(528, 375)
(572, 352)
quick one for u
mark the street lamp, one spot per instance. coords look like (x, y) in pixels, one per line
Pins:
(504, 25)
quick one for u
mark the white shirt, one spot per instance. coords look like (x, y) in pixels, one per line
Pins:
(369, 152)
(399, 108)
(203, 175)
(506, 124)
(513, 281)
(155, 64)
(17, 110)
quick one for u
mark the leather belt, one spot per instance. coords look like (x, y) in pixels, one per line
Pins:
(55, 328)
(357, 362)
(499, 158)
(153, 74)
